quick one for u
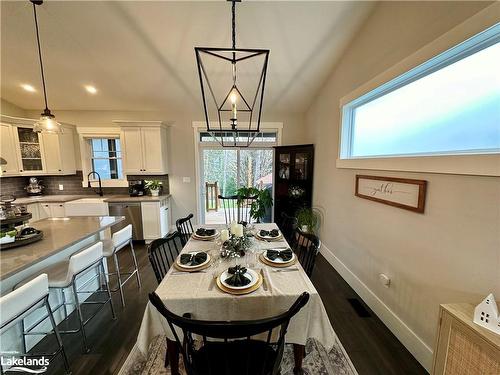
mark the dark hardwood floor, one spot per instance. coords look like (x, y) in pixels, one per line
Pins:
(373, 349)
(371, 346)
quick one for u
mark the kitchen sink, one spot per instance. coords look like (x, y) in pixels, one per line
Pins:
(87, 207)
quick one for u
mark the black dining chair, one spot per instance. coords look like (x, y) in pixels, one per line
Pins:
(287, 224)
(162, 252)
(185, 228)
(227, 347)
(237, 208)
(306, 246)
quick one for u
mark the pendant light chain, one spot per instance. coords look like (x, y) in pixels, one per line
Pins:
(234, 24)
(40, 57)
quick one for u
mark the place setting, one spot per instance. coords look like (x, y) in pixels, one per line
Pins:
(205, 234)
(195, 261)
(269, 235)
(239, 280)
(279, 257)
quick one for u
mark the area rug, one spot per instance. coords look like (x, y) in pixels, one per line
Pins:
(316, 362)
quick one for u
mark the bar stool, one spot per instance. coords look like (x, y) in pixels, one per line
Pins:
(111, 247)
(19, 303)
(65, 274)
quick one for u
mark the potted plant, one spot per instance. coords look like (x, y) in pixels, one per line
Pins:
(308, 220)
(260, 204)
(154, 187)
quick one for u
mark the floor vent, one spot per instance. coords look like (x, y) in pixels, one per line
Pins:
(359, 308)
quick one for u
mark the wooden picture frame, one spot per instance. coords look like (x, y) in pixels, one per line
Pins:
(403, 193)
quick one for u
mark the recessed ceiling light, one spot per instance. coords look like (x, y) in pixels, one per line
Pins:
(28, 88)
(91, 89)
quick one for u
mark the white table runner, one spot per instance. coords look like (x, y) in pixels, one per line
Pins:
(190, 293)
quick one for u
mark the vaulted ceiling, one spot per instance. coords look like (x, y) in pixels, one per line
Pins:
(140, 54)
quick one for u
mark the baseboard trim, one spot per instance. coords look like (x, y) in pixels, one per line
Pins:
(420, 350)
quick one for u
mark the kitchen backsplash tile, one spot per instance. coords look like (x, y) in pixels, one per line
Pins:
(72, 185)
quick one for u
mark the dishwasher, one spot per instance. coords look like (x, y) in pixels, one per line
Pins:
(133, 215)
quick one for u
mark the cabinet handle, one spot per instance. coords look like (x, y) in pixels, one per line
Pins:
(20, 170)
(60, 205)
(59, 170)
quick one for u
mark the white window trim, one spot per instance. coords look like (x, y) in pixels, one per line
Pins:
(487, 164)
(84, 134)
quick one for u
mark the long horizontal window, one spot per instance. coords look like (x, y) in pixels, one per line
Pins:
(448, 105)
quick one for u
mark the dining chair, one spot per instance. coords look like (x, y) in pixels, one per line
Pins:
(237, 208)
(17, 305)
(306, 246)
(185, 228)
(287, 225)
(162, 252)
(230, 347)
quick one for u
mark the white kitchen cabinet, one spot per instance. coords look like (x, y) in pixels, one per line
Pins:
(144, 147)
(29, 150)
(155, 219)
(8, 150)
(59, 152)
(33, 208)
(28, 153)
(52, 210)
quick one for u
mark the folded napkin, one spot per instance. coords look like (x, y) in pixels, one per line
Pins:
(193, 259)
(286, 255)
(237, 277)
(202, 232)
(267, 233)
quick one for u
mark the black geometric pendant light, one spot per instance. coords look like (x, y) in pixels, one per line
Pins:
(47, 122)
(232, 84)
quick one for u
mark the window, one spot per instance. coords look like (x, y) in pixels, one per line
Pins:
(447, 106)
(269, 137)
(106, 158)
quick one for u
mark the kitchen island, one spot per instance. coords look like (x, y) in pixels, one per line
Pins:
(62, 237)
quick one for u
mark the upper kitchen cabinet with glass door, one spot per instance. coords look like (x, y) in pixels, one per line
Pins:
(29, 149)
(293, 179)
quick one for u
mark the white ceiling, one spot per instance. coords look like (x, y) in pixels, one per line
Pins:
(139, 54)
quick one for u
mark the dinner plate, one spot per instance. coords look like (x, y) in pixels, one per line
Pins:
(205, 238)
(279, 260)
(251, 274)
(178, 261)
(269, 238)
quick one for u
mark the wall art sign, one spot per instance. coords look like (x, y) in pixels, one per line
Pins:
(398, 192)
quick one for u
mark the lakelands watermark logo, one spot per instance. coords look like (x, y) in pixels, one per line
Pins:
(24, 364)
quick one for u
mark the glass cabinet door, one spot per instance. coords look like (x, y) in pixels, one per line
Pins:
(301, 166)
(284, 167)
(29, 145)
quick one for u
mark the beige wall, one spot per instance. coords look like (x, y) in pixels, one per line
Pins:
(9, 109)
(181, 147)
(449, 254)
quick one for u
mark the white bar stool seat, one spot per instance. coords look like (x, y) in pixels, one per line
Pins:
(64, 274)
(19, 303)
(111, 247)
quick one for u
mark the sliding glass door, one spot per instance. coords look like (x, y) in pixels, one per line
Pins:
(224, 170)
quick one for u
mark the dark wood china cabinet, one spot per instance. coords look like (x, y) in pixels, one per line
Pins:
(293, 179)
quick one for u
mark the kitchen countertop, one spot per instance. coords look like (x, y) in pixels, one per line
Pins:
(107, 198)
(127, 198)
(49, 199)
(58, 234)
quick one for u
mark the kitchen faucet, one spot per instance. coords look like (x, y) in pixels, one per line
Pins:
(98, 179)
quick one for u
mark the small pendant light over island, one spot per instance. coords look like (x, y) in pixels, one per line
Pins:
(47, 122)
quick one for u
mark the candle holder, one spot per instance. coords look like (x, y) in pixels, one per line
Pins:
(235, 247)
